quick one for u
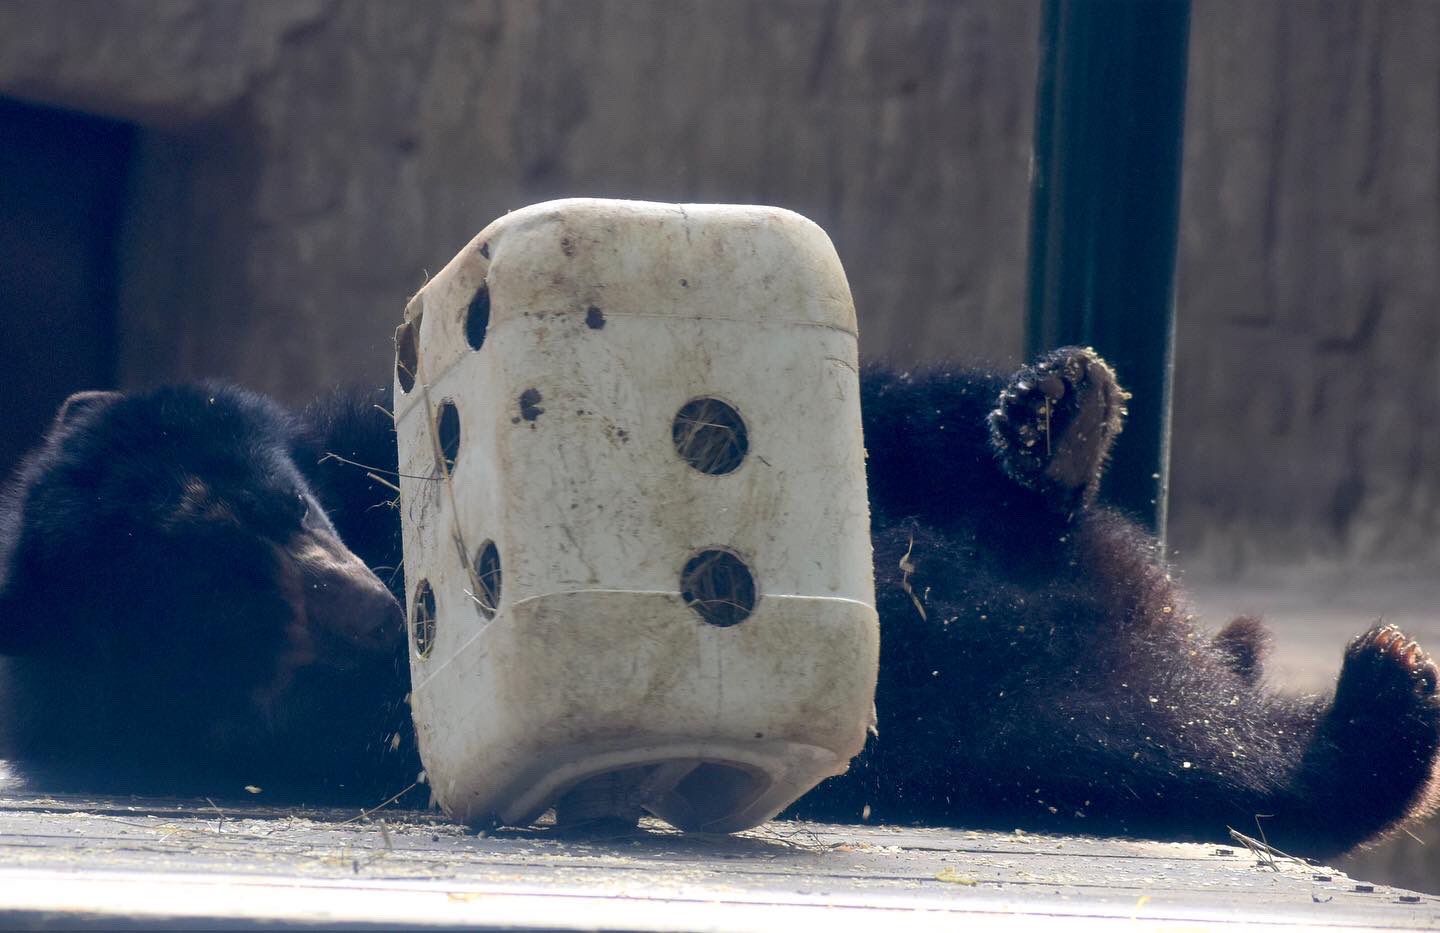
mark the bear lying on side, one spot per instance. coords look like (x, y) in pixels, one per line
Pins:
(180, 617)
(1039, 667)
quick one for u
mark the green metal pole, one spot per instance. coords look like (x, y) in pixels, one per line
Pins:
(1105, 204)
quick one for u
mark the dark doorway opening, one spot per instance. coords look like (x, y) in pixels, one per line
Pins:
(62, 191)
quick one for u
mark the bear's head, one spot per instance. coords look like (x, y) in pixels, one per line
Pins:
(175, 601)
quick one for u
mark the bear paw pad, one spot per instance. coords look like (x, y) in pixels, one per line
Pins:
(1386, 663)
(1054, 423)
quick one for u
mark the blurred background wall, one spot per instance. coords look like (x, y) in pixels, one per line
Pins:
(252, 190)
(293, 170)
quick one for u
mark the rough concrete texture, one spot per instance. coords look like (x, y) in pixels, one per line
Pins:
(157, 864)
(309, 162)
(1309, 283)
(310, 200)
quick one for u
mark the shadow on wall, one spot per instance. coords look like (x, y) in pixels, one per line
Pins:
(62, 182)
(124, 262)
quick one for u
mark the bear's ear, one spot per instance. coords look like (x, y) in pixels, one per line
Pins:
(81, 402)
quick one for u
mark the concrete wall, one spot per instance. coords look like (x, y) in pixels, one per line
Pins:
(1307, 387)
(305, 163)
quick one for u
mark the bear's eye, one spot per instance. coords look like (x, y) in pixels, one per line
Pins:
(279, 515)
(287, 515)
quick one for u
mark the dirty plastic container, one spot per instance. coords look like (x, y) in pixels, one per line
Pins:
(637, 543)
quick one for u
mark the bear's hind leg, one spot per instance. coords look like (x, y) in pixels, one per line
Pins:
(1371, 764)
(1244, 644)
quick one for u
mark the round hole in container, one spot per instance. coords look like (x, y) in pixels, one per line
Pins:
(487, 579)
(447, 425)
(710, 435)
(718, 586)
(407, 353)
(422, 620)
(477, 317)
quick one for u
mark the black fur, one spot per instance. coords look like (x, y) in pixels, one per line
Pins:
(1039, 667)
(179, 615)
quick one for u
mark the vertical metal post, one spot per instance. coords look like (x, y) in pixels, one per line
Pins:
(1105, 203)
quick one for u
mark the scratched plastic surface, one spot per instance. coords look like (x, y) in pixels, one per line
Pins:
(633, 490)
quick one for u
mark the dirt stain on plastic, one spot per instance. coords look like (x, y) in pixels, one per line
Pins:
(530, 401)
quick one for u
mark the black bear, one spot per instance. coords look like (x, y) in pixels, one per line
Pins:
(179, 614)
(1039, 668)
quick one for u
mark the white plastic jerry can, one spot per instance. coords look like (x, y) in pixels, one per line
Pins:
(637, 544)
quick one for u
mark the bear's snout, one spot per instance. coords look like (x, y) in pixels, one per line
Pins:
(348, 609)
